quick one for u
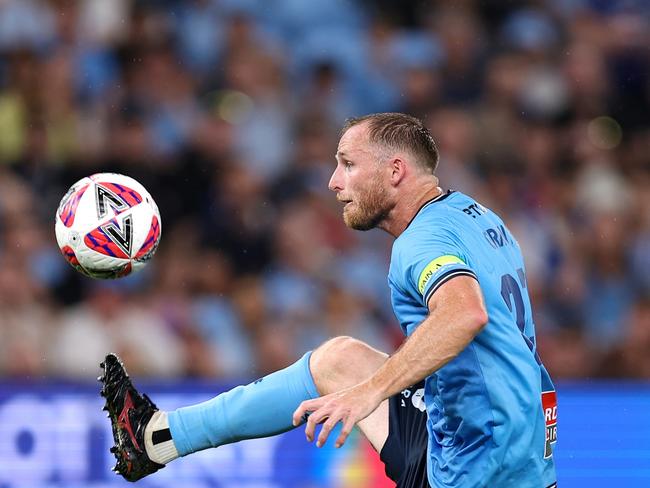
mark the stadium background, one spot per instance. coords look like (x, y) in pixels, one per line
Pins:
(228, 112)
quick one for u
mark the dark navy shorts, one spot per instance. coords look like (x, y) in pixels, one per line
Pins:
(405, 452)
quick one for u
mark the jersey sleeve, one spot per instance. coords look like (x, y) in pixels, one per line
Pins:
(430, 259)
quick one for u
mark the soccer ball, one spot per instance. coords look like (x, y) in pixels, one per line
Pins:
(107, 226)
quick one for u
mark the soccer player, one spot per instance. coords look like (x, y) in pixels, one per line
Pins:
(464, 402)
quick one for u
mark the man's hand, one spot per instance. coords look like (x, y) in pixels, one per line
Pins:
(348, 406)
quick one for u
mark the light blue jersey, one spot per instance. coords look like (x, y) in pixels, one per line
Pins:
(488, 424)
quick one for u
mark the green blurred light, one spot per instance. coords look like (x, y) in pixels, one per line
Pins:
(604, 132)
(233, 106)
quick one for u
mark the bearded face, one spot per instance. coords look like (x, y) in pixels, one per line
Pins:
(361, 180)
(368, 205)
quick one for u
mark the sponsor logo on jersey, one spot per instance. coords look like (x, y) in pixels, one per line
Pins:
(549, 404)
(431, 269)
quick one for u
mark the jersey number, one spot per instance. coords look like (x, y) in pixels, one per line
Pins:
(509, 286)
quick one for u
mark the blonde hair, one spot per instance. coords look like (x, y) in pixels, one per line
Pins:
(400, 131)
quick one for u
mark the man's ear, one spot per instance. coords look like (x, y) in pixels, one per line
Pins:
(398, 170)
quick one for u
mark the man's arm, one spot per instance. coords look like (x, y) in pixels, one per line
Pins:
(456, 314)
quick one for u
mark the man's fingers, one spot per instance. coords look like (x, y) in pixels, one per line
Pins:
(348, 425)
(329, 411)
(314, 419)
(325, 431)
(301, 414)
(310, 428)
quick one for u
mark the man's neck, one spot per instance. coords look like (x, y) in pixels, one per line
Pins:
(406, 209)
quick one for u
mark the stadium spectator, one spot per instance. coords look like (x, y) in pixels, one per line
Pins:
(228, 111)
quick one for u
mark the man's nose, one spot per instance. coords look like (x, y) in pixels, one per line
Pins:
(335, 183)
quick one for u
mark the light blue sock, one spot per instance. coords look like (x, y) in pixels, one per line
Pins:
(260, 409)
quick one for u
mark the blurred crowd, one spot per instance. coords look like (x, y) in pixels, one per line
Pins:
(228, 112)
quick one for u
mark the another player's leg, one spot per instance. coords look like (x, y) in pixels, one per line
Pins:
(146, 438)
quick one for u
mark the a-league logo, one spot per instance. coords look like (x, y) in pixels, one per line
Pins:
(416, 397)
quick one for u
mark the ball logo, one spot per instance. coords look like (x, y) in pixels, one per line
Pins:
(123, 237)
(106, 198)
(111, 195)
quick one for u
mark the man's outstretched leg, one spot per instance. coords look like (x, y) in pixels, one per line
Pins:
(146, 438)
(130, 414)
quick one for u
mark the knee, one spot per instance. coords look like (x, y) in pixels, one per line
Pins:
(342, 362)
(332, 351)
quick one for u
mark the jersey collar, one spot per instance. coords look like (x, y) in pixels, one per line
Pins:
(439, 198)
